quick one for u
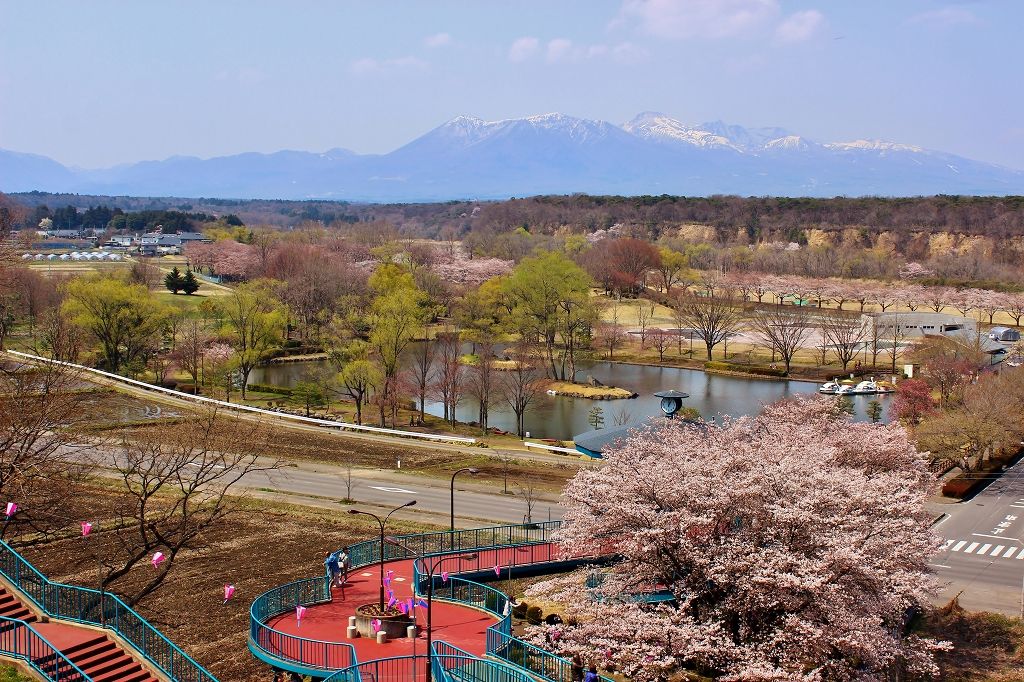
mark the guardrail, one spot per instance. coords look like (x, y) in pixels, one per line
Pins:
(311, 652)
(249, 408)
(105, 610)
(449, 663)
(529, 542)
(20, 640)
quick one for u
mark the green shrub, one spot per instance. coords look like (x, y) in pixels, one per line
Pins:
(534, 615)
(744, 369)
(269, 388)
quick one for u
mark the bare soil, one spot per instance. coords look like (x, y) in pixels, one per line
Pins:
(264, 544)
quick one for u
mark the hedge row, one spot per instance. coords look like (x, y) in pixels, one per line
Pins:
(269, 388)
(745, 369)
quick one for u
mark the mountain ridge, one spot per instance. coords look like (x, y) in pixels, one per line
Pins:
(554, 153)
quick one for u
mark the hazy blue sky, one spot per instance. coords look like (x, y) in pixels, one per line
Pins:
(98, 83)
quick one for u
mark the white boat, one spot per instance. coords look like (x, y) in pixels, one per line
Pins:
(865, 388)
(845, 389)
(829, 387)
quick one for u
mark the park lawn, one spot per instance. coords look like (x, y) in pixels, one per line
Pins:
(10, 673)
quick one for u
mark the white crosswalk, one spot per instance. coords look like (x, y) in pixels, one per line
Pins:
(984, 549)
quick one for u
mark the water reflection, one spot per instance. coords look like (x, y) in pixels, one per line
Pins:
(560, 417)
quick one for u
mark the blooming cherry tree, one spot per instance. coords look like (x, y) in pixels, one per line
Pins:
(794, 545)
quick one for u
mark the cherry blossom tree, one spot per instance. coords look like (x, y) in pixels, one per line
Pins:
(913, 400)
(794, 544)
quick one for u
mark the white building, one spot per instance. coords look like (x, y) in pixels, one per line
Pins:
(915, 325)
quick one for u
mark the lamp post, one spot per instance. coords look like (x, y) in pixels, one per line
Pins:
(430, 598)
(381, 522)
(471, 470)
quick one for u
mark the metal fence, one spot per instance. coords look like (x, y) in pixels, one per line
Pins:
(507, 546)
(20, 640)
(91, 607)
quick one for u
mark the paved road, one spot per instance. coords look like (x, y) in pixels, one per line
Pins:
(324, 485)
(983, 548)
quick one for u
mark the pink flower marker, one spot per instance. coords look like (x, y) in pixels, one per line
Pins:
(497, 570)
(300, 611)
(229, 591)
(11, 508)
(86, 528)
(158, 559)
(375, 624)
(444, 576)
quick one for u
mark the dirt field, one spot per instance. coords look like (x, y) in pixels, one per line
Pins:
(263, 545)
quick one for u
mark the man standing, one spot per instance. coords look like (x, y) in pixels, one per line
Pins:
(344, 564)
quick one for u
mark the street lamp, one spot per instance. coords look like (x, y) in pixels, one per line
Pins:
(381, 522)
(472, 470)
(430, 597)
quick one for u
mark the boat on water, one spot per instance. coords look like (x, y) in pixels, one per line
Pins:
(868, 387)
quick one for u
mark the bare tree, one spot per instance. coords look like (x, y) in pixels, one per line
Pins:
(523, 382)
(188, 354)
(621, 416)
(644, 313)
(610, 333)
(843, 335)
(450, 377)
(529, 495)
(896, 336)
(422, 370)
(41, 408)
(783, 330)
(713, 316)
(660, 340)
(482, 379)
(176, 480)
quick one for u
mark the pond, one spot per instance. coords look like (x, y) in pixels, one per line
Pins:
(562, 418)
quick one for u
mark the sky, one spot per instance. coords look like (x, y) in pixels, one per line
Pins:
(94, 84)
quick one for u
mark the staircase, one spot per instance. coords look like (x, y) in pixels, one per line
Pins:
(11, 607)
(100, 657)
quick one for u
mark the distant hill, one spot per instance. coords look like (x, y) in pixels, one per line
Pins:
(469, 158)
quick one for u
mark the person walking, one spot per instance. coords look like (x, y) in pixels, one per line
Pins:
(344, 564)
(576, 671)
(591, 675)
(334, 569)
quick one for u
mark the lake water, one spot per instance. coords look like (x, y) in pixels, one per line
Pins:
(562, 418)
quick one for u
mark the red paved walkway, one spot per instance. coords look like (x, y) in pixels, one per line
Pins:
(462, 626)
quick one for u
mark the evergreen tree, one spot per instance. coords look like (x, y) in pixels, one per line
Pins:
(174, 281)
(875, 411)
(189, 284)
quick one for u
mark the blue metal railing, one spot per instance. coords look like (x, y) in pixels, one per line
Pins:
(393, 669)
(314, 653)
(449, 663)
(333, 655)
(89, 606)
(20, 640)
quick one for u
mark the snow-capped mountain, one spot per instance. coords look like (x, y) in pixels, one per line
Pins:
(469, 157)
(660, 128)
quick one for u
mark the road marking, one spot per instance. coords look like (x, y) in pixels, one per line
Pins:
(997, 550)
(1017, 506)
(392, 490)
(984, 549)
(946, 545)
(940, 565)
(971, 548)
(1009, 553)
(996, 537)
(957, 546)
